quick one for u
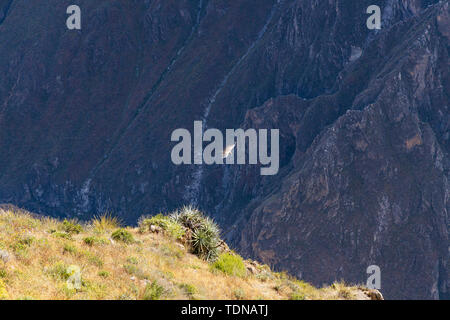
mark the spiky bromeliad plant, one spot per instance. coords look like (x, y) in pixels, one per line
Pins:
(205, 238)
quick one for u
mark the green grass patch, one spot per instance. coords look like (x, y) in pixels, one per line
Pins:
(173, 228)
(104, 274)
(91, 241)
(59, 271)
(62, 235)
(132, 260)
(134, 270)
(68, 248)
(153, 291)
(123, 236)
(230, 264)
(189, 289)
(71, 227)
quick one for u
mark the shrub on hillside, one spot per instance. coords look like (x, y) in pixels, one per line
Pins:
(172, 227)
(59, 271)
(68, 248)
(122, 235)
(189, 289)
(72, 227)
(153, 291)
(231, 264)
(90, 241)
(63, 235)
(103, 274)
(26, 240)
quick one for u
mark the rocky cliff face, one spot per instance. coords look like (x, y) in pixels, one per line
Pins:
(86, 118)
(371, 185)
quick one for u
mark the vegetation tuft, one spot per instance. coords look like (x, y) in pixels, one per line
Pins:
(44, 258)
(153, 291)
(205, 234)
(169, 225)
(123, 236)
(230, 264)
(105, 223)
(72, 227)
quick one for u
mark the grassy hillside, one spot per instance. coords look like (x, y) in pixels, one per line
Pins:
(176, 257)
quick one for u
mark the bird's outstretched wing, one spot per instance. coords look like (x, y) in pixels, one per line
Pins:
(228, 150)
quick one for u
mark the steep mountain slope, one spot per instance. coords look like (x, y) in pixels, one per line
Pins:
(372, 188)
(42, 258)
(86, 118)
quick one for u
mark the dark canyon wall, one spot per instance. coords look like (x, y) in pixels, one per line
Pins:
(86, 118)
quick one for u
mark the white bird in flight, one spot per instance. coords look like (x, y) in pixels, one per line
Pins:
(228, 150)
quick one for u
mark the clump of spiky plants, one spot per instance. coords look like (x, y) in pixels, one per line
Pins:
(205, 234)
(105, 223)
(192, 226)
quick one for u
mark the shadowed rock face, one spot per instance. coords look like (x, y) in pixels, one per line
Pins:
(86, 118)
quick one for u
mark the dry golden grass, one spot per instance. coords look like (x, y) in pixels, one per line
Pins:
(154, 266)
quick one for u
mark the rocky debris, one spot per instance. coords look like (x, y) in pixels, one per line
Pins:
(5, 256)
(155, 229)
(375, 295)
(255, 268)
(362, 293)
(179, 245)
(251, 268)
(223, 247)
